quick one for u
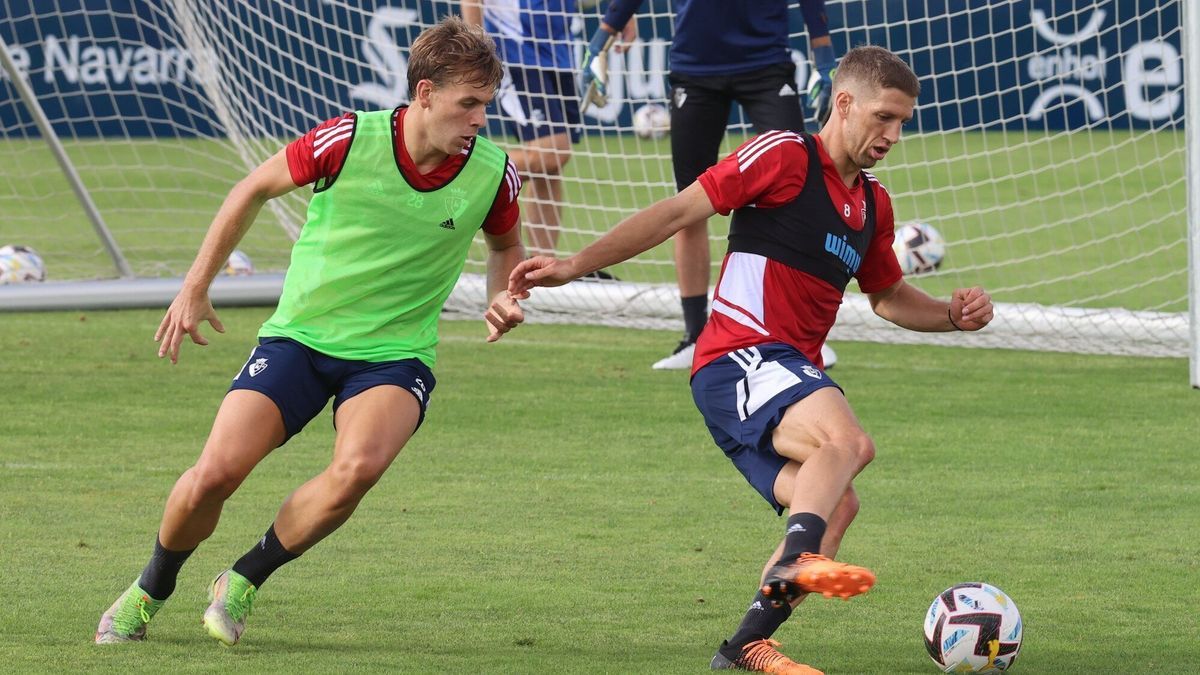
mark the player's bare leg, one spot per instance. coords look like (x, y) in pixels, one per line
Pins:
(247, 427)
(822, 434)
(373, 427)
(540, 163)
(751, 647)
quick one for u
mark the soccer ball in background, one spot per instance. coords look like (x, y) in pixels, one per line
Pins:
(651, 121)
(20, 264)
(238, 264)
(973, 628)
(919, 248)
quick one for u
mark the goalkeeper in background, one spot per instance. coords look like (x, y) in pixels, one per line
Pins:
(398, 198)
(723, 51)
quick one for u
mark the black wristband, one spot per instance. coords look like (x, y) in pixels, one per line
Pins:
(951, 317)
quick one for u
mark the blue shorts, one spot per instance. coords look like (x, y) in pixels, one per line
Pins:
(300, 380)
(545, 99)
(743, 396)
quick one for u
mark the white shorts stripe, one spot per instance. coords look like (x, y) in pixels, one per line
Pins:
(761, 385)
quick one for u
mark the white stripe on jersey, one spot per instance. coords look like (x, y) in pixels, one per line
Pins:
(737, 315)
(741, 286)
(871, 177)
(749, 154)
(513, 180)
(759, 141)
(346, 122)
(330, 141)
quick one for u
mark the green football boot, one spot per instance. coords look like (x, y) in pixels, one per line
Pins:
(126, 620)
(232, 595)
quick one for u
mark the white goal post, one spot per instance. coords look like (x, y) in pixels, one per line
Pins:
(1049, 148)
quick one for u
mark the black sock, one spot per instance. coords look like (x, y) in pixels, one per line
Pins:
(804, 532)
(695, 315)
(264, 558)
(158, 578)
(761, 622)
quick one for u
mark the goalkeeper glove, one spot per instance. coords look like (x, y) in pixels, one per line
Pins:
(593, 81)
(820, 84)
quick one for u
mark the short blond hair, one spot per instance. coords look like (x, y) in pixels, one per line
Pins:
(453, 51)
(878, 68)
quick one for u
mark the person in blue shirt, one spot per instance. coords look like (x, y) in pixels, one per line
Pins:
(537, 99)
(722, 51)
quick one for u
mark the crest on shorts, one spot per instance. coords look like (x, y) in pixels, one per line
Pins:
(257, 367)
(811, 372)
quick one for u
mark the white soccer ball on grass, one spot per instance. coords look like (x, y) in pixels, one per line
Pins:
(919, 248)
(652, 120)
(973, 628)
(20, 264)
(239, 264)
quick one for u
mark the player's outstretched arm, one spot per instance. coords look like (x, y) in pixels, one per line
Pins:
(192, 305)
(504, 253)
(640, 232)
(969, 309)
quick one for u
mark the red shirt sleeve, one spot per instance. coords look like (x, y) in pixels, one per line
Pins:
(505, 212)
(320, 152)
(766, 171)
(880, 268)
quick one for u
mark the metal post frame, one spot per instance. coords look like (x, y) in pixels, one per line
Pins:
(1191, 123)
(64, 162)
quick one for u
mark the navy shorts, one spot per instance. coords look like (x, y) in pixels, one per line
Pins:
(743, 396)
(542, 102)
(300, 380)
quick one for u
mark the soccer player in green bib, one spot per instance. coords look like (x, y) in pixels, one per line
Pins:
(398, 196)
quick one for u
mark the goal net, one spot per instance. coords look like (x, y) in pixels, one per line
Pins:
(1048, 148)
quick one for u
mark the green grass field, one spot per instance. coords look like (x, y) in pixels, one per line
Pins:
(564, 510)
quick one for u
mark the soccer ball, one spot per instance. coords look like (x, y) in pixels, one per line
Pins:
(238, 264)
(651, 121)
(20, 264)
(973, 628)
(919, 248)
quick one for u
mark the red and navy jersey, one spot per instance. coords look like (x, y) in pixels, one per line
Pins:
(319, 154)
(794, 245)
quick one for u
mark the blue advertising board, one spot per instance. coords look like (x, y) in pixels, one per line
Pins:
(121, 67)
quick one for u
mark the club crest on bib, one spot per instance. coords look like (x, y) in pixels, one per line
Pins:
(456, 202)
